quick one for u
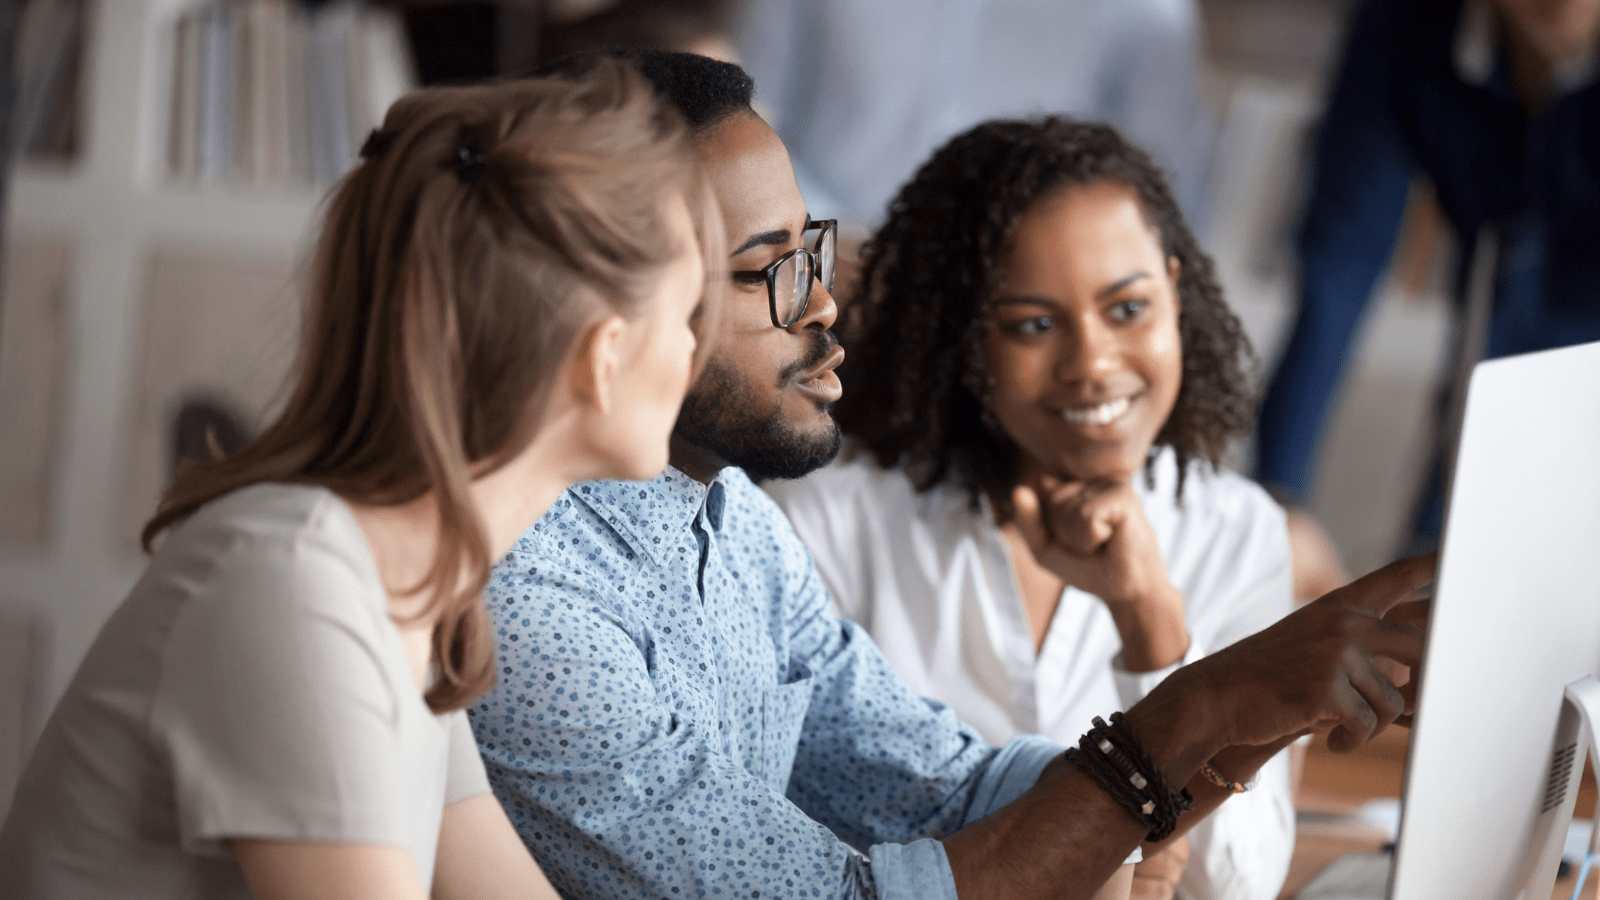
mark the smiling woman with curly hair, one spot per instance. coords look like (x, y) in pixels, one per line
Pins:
(1028, 515)
(934, 269)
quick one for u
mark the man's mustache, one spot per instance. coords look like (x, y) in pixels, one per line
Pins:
(822, 343)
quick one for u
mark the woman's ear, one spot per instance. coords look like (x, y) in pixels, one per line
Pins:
(1174, 269)
(598, 360)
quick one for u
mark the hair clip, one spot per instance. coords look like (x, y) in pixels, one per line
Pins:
(377, 143)
(470, 162)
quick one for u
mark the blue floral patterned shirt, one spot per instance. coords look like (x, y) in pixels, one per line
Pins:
(680, 714)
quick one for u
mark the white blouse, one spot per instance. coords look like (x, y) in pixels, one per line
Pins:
(930, 578)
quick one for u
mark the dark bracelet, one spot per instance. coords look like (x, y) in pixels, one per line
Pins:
(1133, 803)
(1177, 803)
(1113, 758)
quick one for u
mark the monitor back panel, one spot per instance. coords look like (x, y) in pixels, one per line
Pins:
(1516, 618)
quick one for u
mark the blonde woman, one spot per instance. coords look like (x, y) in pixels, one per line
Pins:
(504, 301)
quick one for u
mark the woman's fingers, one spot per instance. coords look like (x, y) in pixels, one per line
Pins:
(1030, 518)
(1084, 515)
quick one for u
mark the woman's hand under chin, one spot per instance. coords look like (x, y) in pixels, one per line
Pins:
(1095, 537)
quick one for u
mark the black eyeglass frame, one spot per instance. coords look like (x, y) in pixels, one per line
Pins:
(770, 273)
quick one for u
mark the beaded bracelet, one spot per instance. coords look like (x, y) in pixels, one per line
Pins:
(1112, 757)
(1175, 803)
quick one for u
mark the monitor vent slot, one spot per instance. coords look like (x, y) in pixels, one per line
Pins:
(1555, 791)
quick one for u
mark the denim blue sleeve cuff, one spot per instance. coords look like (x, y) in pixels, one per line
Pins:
(915, 871)
(1013, 769)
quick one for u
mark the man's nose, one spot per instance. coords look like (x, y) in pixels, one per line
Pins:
(821, 310)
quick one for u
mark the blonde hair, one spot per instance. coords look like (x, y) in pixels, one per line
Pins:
(458, 264)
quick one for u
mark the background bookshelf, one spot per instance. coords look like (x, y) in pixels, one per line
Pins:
(137, 285)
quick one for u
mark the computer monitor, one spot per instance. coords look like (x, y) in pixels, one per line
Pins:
(1496, 753)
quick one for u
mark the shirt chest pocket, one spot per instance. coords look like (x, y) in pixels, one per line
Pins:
(783, 713)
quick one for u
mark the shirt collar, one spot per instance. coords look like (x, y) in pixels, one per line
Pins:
(668, 502)
(1477, 51)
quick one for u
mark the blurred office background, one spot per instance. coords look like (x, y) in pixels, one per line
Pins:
(168, 158)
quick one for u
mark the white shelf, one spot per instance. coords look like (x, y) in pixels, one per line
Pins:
(116, 210)
(225, 219)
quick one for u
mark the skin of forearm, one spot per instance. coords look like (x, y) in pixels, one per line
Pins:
(1066, 836)
(1153, 631)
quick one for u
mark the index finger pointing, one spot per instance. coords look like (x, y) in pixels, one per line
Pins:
(1378, 591)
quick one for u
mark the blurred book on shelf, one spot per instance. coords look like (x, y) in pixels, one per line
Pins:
(268, 93)
(48, 79)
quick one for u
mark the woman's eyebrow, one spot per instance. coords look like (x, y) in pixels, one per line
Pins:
(1115, 286)
(1019, 300)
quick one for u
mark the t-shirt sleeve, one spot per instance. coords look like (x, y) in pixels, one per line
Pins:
(273, 705)
(466, 778)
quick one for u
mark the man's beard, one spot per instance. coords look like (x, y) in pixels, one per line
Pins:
(719, 416)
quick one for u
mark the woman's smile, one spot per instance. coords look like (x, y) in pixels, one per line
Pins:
(1103, 413)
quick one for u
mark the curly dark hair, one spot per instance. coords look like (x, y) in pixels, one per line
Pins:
(916, 379)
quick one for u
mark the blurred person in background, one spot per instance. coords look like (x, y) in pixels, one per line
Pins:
(1045, 342)
(863, 91)
(504, 301)
(1496, 102)
(690, 26)
(462, 41)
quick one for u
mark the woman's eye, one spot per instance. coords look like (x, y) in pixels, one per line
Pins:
(1128, 310)
(756, 278)
(1031, 327)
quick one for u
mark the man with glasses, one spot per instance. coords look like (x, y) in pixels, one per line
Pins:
(680, 714)
(769, 420)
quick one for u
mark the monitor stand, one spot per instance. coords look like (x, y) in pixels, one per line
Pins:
(1367, 875)
(1574, 740)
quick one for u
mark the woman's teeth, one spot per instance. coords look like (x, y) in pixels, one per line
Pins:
(1101, 414)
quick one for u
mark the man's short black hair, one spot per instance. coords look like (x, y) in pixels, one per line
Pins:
(705, 91)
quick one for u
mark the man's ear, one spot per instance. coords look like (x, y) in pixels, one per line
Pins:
(598, 360)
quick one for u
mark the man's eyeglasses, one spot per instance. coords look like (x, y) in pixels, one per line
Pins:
(790, 278)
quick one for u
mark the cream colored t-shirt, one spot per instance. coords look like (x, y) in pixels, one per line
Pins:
(251, 685)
